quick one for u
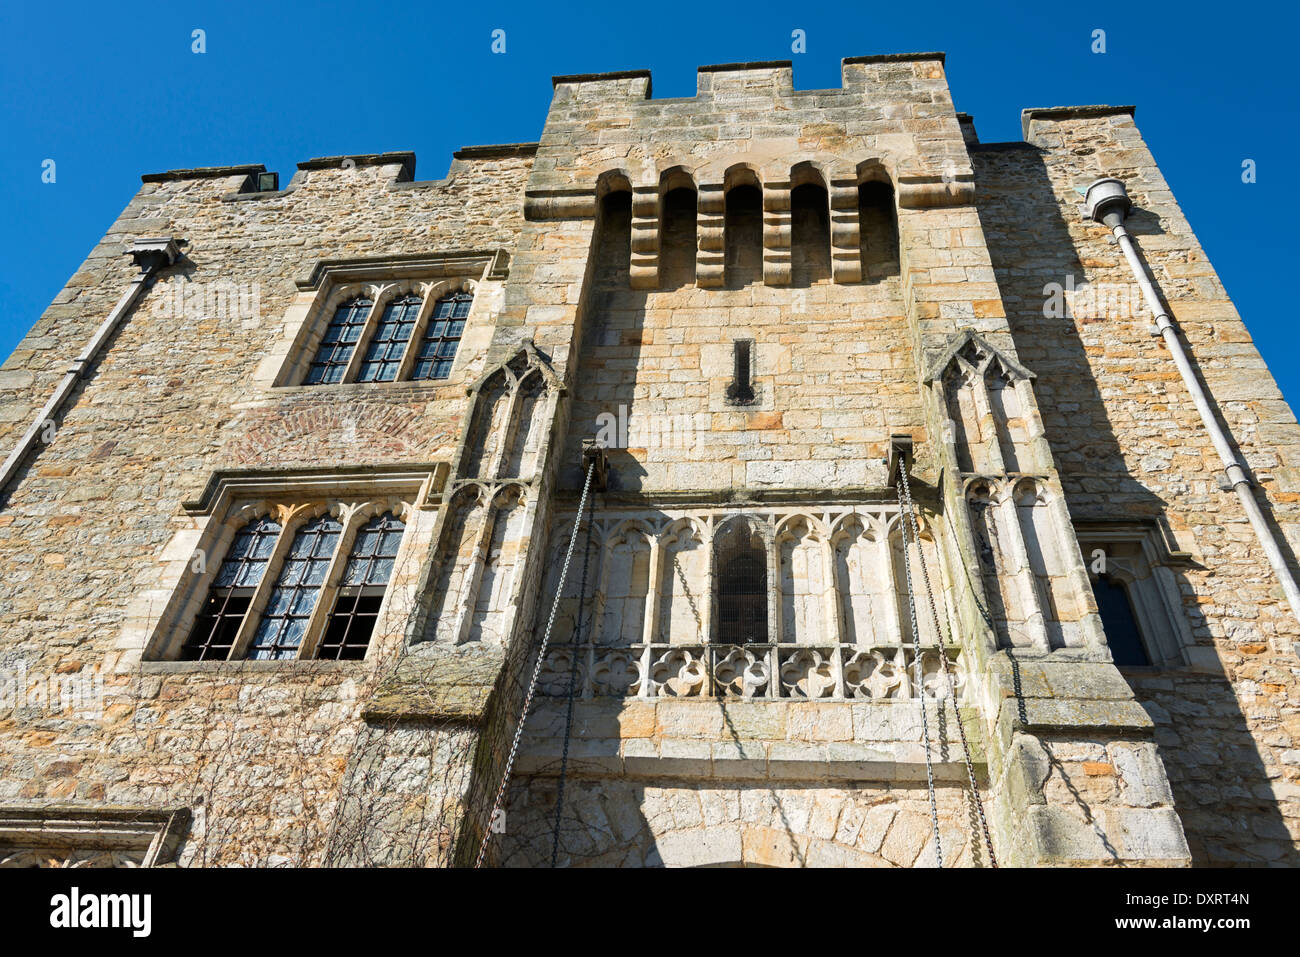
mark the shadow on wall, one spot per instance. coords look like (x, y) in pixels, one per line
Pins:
(626, 361)
(612, 819)
(1222, 789)
(621, 822)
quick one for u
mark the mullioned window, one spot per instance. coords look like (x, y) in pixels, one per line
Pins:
(306, 584)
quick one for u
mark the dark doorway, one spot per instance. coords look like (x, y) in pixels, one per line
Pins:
(810, 235)
(877, 231)
(677, 247)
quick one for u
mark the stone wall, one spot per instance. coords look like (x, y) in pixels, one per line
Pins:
(738, 783)
(833, 377)
(259, 752)
(1131, 448)
(622, 823)
(580, 292)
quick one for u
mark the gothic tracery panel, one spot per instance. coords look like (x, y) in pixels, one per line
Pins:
(456, 554)
(1047, 563)
(683, 589)
(863, 583)
(529, 425)
(493, 600)
(482, 548)
(489, 410)
(626, 588)
(661, 573)
(804, 583)
(926, 574)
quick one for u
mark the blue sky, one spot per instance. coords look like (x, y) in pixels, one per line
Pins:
(109, 93)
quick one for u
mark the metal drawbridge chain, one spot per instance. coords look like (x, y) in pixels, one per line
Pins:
(573, 687)
(911, 524)
(537, 670)
(920, 687)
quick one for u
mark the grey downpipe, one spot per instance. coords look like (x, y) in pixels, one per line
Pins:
(1107, 202)
(151, 255)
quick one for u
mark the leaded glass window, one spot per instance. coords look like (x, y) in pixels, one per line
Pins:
(369, 568)
(437, 349)
(228, 599)
(284, 623)
(340, 339)
(387, 345)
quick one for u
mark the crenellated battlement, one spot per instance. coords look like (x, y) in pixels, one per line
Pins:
(396, 170)
(771, 77)
(892, 120)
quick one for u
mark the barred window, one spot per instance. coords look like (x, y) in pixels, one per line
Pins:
(388, 344)
(742, 586)
(232, 590)
(370, 566)
(437, 349)
(340, 339)
(284, 623)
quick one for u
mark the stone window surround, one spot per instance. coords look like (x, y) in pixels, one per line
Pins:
(292, 517)
(135, 836)
(1149, 581)
(744, 355)
(152, 640)
(381, 293)
(382, 278)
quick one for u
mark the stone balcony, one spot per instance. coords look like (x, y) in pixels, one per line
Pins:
(883, 673)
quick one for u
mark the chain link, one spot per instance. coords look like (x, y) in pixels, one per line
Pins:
(920, 685)
(537, 670)
(573, 685)
(946, 664)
